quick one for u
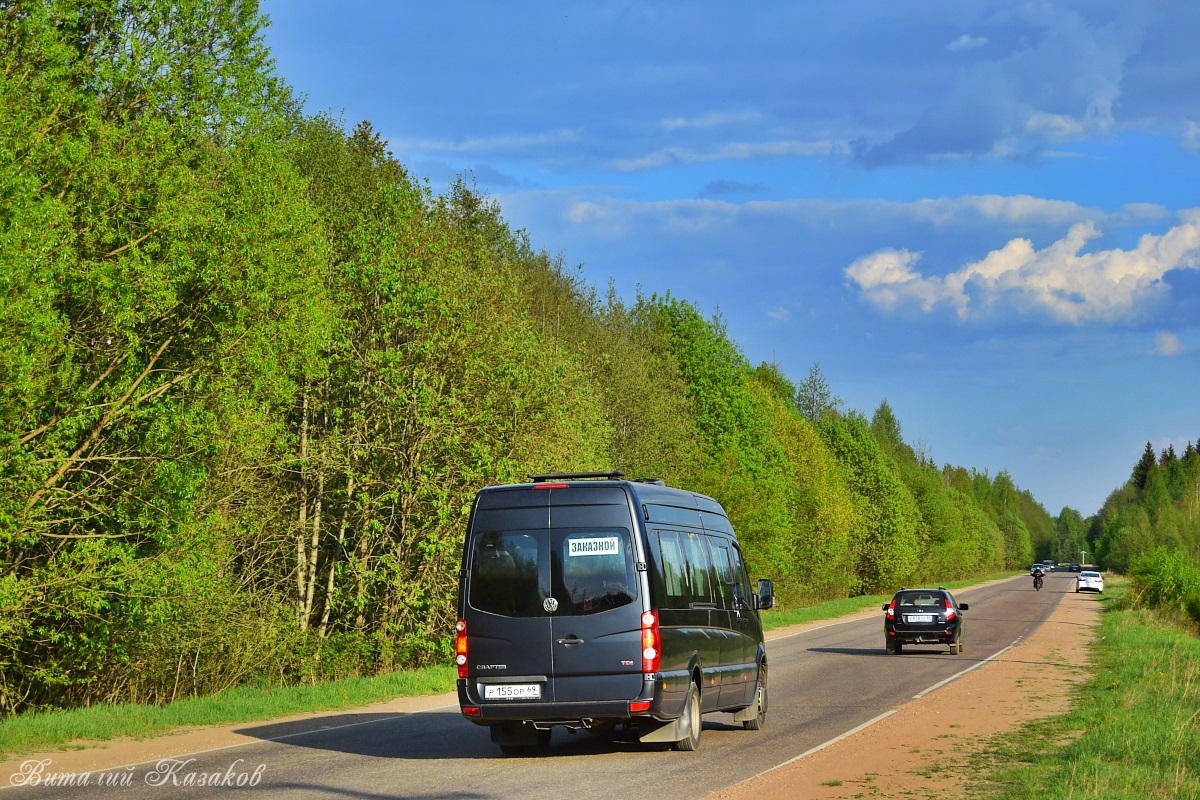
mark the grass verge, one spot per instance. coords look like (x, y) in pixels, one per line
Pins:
(57, 729)
(1133, 731)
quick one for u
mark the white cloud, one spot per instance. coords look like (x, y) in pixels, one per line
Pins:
(1061, 280)
(779, 314)
(1002, 104)
(1012, 208)
(1054, 126)
(966, 42)
(1167, 344)
(500, 143)
(712, 120)
(1191, 136)
(604, 220)
(731, 151)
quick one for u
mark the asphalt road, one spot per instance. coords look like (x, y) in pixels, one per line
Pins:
(824, 683)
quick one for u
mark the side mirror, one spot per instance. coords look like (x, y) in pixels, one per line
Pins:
(963, 607)
(886, 606)
(766, 594)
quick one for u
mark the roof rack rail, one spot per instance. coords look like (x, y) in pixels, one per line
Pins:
(655, 481)
(577, 476)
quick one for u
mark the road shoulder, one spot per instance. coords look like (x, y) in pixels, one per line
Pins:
(106, 755)
(919, 750)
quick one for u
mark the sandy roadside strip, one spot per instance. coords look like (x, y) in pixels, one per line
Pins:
(906, 753)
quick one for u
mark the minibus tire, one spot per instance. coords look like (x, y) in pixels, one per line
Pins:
(692, 721)
(760, 701)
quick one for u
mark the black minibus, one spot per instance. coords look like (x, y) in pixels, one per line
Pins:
(587, 601)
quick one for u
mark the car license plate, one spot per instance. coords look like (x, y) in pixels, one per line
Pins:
(919, 618)
(512, 691)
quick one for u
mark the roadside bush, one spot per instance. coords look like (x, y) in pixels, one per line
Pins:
(1166, 578)
(202, 644)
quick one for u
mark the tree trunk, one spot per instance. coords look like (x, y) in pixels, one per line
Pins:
(302, 523)
(333, 559)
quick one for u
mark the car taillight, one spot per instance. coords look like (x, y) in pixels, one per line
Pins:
(950, 612)
(891, 612)
(651, 643)
(460, 647)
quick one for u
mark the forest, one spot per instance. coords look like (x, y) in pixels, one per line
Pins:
(252, 371)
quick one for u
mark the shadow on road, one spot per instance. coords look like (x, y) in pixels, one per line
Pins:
(879, 652)
(422, 735)
(437, 735)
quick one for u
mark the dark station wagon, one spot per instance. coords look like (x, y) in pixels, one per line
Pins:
(923, 616)
(590, 602)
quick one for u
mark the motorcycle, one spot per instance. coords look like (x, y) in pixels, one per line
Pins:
(1037, 583)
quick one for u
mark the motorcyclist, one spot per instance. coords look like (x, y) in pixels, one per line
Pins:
(1037, 578)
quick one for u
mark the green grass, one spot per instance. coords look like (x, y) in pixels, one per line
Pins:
(1133, 731)
(54, 730)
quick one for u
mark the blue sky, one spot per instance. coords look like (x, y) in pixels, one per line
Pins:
(986, 213)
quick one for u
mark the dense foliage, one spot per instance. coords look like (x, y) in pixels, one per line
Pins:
(1159, 506)
(251, 372)
(1150, 528)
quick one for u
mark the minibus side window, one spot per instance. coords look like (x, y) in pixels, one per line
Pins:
(741, 586)
(724, 570)
(699, 569)
(686, 573)
(673, 571)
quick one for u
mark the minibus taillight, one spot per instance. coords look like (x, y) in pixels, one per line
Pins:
(651, 642)
(892, 610)
(460, 647)
(950, 612)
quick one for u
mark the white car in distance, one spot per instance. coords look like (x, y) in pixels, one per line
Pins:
(1089, 582)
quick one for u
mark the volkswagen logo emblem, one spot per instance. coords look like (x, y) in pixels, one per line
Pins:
(550, 604)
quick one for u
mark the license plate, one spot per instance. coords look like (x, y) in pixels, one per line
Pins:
(919, 618)
(512, 691)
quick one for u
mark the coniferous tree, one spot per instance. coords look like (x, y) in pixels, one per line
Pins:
(1146, 465)
(814, 398)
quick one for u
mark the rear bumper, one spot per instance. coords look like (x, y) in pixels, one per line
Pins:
(663, 706)
(582, 715)
(924, 638)
(936, 636)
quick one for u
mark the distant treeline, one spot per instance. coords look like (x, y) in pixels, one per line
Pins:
(252, 371)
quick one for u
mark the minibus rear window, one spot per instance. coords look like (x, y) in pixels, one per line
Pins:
(504, 574)
(586, 571)
(596, 570)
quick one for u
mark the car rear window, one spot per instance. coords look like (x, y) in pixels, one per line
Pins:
(920, 600)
